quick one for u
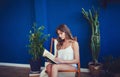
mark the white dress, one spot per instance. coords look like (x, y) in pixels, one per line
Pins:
(64, 54)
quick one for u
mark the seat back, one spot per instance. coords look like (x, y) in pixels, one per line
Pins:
(53, 46)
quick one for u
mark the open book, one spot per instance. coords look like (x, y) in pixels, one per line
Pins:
(49, 56)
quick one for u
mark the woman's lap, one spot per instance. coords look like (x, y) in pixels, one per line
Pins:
(63, 67)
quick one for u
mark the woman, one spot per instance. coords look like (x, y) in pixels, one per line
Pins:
(67, 52)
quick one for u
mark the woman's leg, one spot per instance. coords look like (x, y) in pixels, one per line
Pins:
(49, 69)
(57, 67)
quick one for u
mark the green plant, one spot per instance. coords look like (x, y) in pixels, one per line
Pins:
(36, 41)
(92, 17)
(111, 64)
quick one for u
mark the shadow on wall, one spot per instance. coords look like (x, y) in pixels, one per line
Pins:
(104, 3)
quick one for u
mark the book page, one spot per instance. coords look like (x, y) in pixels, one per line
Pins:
(49, 55)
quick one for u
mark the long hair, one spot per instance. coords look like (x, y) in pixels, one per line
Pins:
(68, 35)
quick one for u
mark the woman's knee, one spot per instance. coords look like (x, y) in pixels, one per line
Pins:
(55, 67)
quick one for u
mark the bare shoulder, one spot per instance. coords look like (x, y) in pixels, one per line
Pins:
(74, 43)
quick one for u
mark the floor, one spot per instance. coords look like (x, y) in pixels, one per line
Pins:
(10, 71)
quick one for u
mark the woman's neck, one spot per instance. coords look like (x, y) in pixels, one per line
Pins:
(66, 40)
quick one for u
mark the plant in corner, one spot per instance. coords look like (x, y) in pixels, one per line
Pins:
(111, 66)
(36, 48)
(92, 17)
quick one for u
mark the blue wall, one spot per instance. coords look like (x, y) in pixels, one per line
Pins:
(16, 18)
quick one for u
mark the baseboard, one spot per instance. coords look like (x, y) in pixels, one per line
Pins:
(84, 70)
(14, 64)
(28, 66)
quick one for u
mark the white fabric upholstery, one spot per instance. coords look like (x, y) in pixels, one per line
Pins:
(55, 46)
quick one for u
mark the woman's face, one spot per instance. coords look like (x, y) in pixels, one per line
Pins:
(61, 34)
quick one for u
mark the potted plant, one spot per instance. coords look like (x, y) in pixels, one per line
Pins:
(36, 48)
(111, 66)
(92, 17)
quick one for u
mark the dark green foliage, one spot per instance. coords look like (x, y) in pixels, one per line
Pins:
(111, 64)
(36, 41)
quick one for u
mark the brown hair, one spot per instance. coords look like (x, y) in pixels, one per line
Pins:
(68, 35)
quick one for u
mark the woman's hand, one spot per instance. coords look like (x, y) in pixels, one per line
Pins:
(58, 60)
